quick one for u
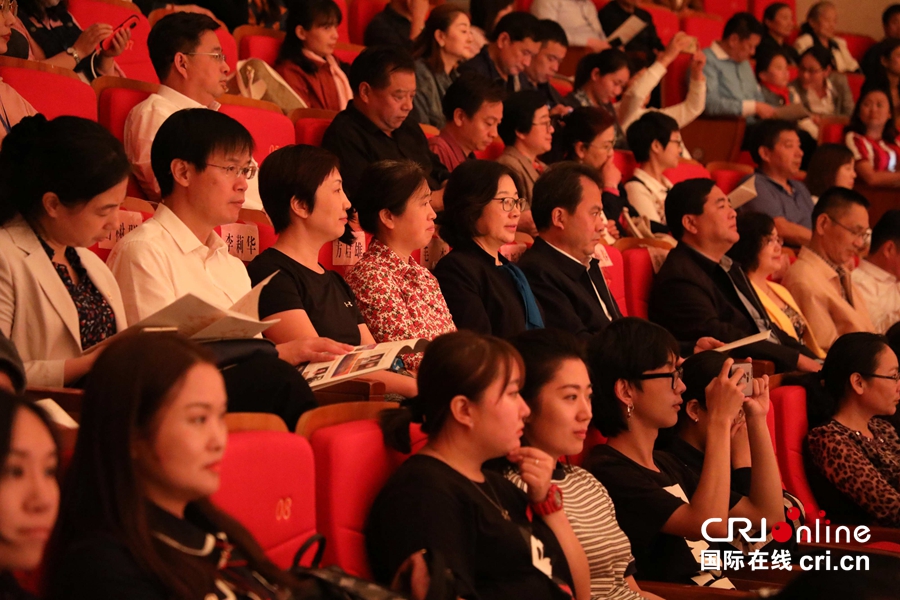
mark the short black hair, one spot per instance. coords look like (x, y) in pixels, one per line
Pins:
(178, 32)
(767, 134)
(653, 126)
(686, 198)
(551, 31)
(583, 125)
(518, 26)
(560, 186)
(821, 55)
(697, 371)
(744, 25)
(835, 201)
(469, 92)
(472, 185)
(765, 58)
(608, 61)
(772, 11)
(889, 13)
(193, 135)
(386, 184)
(375, 64)
(625, 349)
(753, 227)
(823, 166)
(887, 229)
(518, 114)
(543, 351)
(484, 12)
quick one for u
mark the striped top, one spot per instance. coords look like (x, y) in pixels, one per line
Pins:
(882, 155)
(593, 518)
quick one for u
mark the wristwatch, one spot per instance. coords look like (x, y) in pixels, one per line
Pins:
(71, 51)
(552, 504)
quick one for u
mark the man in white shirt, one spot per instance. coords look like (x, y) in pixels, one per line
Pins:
(191, 67)
(876, 277)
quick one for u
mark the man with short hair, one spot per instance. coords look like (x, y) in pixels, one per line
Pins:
(190, 64)
(779, 194)
(871, 62)
(473, 107)
(565, 277)
(398, 24)
(545, 65)
(512, 45)
(700, 292)
(375, 125)
(820, 280)
(877, 278)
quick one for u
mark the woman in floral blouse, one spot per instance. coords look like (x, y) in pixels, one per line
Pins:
(398, 298)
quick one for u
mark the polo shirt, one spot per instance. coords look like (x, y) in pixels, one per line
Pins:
(448, 150)
(775, 200)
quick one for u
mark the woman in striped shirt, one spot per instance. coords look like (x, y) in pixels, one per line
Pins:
(871, 136)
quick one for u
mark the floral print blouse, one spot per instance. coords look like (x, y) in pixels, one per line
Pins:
(399, 300)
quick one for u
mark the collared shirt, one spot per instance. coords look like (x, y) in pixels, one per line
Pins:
(775, 200)
(819, 105)
(612, 16)
(483, 64)
(141, 126)
(162, 260)
(399, 300)
(358, 142)
(577, 17)
(526, 168)
(388, 28)
(587, 268)
(648, 195)
(731, 87)
(448, 150)
(880, 291)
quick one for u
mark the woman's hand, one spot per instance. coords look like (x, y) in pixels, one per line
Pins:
(757, 405)
(707, 343)
(90, 37)
(697, 64)
(725, 396)
(317, 349)
(535, 469)
(118, 44)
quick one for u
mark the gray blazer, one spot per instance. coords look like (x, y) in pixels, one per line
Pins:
(430, 90)
(843, 97)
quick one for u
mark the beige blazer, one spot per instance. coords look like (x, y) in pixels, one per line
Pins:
(817, 289)
(36, 311)
(521, 166)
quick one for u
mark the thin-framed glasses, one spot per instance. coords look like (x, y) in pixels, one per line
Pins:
(9, 6)
(675, 375)
(234, 171)
(508, 203)
(548, 124)
(864, 235)
(774, 240)
(895, 377)
(219, 56)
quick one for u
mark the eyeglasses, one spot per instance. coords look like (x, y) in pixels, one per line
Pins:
(774, 240)
(674, 141)
(508, 203)
(9, 6)
(219, 56)
(895, 377)
(548, 124)
(864, 235)
(234, 171)
(676, 376)
(608, 147)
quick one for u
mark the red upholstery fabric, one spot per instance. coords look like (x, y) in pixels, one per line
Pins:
(229, 47)
(727, 179)
(343, 26)
(857, 43)
(758, 7)
(675, 82)
(524, 5)
(260, 46)
(856, 81)
(562, 86)
(601, 3)
(615, 278)
(52, 94)
(268, 484)
(270, 130)
(724, 8)
(791, 426)
(135, 61)
(113, 108)
(705, 28)
(665, 20)
(346, 55)
(686, 171)
(639, 281)
(493, 151)
(358, 16)
(594, 438)
(624, 161)
(832, 133)
(310, 130)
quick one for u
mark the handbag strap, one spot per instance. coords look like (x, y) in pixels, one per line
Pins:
(319, 540)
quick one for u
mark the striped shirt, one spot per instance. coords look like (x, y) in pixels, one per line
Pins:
(593, 518)
(882, 155)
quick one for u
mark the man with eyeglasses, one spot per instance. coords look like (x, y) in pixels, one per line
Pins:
(820, 279)
(188, 59)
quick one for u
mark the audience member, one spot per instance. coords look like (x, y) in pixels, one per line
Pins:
(190, 63)
(62, 184)
(774, 78)
(12, 370)
(876, 277)
(731, 87)
(759, 253)
(560, 266)
(398, 298)
(485, 14)
(872, 137)
(856, 455)
(512, 44)
(890, 22)
(15, 107)
(660, 503)
(679, 5)
(820, 278)
(441, 498)
(484, 291)
(306, 59)
(577, 18)
(442, 45)
(700, 292)
(202, 161)
(644, 46)
(398, 24)
(527, 132)
(888, 76)
(376, 124)
(473, 109)
(779, 193)
(778, 23)
(819, 30)
(545, 65)
(822, 90)
(656, 143)
(557, 389)
(301, 190)
(831, 165)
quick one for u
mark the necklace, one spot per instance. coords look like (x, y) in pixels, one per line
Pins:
(493, 500)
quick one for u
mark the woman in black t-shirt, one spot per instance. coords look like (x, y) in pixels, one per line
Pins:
(302, 192)
(662, 505)
(497, 541)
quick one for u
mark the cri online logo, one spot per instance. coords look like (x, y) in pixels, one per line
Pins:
(783, 531)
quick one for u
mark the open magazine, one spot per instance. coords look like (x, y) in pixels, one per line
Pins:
(743, 193)
(362, 360)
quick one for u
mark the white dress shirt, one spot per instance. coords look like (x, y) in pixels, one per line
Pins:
(577, 17)
(880, 291)
(162, 260)
(648, 196)
(141, 126)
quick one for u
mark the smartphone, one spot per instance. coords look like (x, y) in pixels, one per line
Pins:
(129, 23)
(746, 381)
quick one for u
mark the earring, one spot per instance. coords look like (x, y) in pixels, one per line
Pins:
(629, 409)
(696, 419)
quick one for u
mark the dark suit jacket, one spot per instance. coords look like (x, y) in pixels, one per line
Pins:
(564, 290)
(693, 297)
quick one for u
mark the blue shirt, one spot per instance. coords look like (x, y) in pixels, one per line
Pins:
(731, 87)
(775, 201)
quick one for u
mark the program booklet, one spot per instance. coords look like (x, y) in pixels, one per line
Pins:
(362, 360)
(743, 193)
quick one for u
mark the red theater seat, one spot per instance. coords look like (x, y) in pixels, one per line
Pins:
(857, 43)
(265, 121)
(624, 161)
(791, 427)
(53, 91)
(686, 169)
(855, 81)
(268, 484)
(263, 47)
(665, 21)
(135, 61)
(637, 264)
(358, 16)
(310, 125)
(724, 8)
(615, 278)
(116, 96)
(728, 175)
(675, 81)
(706, 28)
(491, 152)
(229, 47)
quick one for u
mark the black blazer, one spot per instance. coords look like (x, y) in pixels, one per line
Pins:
(564, 290)
(693, 297)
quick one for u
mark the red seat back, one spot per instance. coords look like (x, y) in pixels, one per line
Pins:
(666, 21)
(727, 179)
(52, 94)
(791, 427)
(685, 171)
(229, 47)
(310, 130)
(561, 85)
(113, 108)
(135, 61)
(855, 81)
(724, 8)
(675, 81)
(706, 28)
(832, 133)
(268, 484)
(624, 161)
(343, 26)
(594, 438)
(361, 12)
(491, 152)
(263, 47)
(639, 267)
(348, 54)
(270, 130)
(857, 44)
(615, 278)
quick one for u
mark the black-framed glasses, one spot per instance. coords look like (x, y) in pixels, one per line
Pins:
(895, 377)
(864, 235)
(675, 375)
(508, 203)
(235, 171)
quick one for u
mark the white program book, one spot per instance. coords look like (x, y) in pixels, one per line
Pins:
(361, 360)
(743, 193)
(632, 26)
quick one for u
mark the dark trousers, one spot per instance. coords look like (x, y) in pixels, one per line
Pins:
(265, 383)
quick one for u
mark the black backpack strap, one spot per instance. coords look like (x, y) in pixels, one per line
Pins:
(319, 540)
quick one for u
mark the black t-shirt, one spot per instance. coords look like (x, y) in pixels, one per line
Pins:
(325, 297)
(644, 504)
(427, 504)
